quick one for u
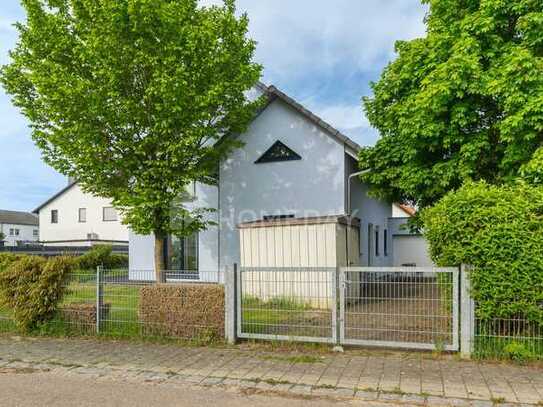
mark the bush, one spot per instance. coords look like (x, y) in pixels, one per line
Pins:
(518, 352)
(32, 288)
(498, 230)
(102, 255)
(8, 258)
(189, 311)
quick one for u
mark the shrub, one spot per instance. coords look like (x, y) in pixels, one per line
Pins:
(8, 258)
(102, 255)
(518, 352)
(498, 230)
(32, 288)
(189, 311)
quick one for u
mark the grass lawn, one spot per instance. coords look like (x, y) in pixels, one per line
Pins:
(284, 316)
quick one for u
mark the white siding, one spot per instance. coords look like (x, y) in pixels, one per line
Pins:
(68, 226)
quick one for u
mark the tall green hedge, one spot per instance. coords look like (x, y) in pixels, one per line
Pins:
(498, 230)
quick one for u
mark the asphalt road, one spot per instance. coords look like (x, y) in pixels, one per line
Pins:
(45, 389)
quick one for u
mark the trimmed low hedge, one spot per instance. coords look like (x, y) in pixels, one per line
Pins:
(188, 311)
(81, 317)
(498, 230)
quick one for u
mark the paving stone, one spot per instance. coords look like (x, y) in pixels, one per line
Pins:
(211, 381)
(366, 395)
(438, 401)
(301, 389)
(413, 399)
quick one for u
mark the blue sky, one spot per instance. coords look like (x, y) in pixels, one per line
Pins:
(323, 53)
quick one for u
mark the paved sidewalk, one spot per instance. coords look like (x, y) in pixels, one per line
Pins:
(413, 378)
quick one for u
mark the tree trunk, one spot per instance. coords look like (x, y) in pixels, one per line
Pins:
(159, 258)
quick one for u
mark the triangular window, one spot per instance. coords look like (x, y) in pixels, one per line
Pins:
(278, 152)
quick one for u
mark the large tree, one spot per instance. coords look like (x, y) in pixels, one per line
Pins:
(133, 99)
(463, 103)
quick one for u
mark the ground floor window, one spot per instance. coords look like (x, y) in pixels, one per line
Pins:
(183, 253)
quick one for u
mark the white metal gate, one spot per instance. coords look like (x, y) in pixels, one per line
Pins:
(400, 307)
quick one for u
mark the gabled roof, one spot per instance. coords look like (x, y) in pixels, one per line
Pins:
(274, 93)
(18, 218)
(71, 183)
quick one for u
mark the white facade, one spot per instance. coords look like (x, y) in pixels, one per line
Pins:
(80, 220)
(14, 233)
(313, 186)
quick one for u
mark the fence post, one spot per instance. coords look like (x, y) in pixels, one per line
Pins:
(467, 314)
(230, 292)
(99, 297)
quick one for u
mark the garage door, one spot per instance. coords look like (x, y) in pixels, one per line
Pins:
(411, 251)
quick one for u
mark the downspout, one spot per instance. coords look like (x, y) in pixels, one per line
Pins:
(349, 209)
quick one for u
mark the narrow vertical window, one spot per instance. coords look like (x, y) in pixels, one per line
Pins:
(54, 216)
(385, 242)
(376, 241)
(82, 216)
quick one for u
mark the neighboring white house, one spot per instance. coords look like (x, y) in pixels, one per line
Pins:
(18, 227)
(410, 249)
(75, 218)
(292, 165)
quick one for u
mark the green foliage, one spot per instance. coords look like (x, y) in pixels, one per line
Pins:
(7, 258)
(498, 230)
(2, 236)
(518, 352)
(32, 288)
(463, 103)
(133, 98)
(101, 255)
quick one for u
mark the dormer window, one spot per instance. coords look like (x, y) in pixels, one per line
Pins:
(278, 152)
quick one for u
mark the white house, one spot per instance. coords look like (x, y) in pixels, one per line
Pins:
(72, 217)
(292, 165)
(18, 227)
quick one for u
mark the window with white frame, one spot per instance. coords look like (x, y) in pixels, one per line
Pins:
(82, 215)
(109, 214)
(35, 232)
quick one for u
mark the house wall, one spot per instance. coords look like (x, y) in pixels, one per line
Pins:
(412, 250)
(408, 247)
(26, 233)
(369, 211)
(312, 186)
(68, 226)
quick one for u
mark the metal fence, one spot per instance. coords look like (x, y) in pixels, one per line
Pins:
(297, 304)
(508, 338)
(408, 307)
(123, 303)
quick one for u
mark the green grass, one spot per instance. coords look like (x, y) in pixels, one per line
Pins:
(489, 347)
(259, 316)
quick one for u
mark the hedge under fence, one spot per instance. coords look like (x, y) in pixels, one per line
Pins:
(189, 311)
